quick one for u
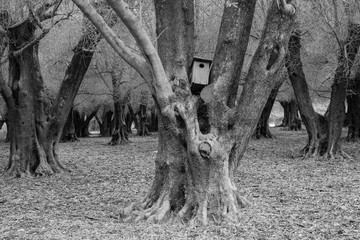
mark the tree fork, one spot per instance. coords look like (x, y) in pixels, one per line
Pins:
(179, 109)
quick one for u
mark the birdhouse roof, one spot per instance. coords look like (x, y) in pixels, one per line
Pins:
(199, 59)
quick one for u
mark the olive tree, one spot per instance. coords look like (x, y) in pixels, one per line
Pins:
(197, 154)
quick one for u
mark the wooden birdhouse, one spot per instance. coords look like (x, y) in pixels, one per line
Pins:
(200, 70)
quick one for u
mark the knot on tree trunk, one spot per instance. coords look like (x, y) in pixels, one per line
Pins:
(205, 149)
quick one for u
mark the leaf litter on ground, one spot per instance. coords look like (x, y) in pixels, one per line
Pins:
(292, 197)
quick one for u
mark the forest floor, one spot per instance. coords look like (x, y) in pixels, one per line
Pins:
(292, 198)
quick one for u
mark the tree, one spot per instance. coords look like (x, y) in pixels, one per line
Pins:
(35, 122)
(194, 169)
(324, 134)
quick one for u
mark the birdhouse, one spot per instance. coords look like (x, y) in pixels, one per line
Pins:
(200, 70)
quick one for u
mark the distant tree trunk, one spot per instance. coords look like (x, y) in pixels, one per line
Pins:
(69, 132)
(262, 129)
(291, 119)
(143, 115)
(105, 123)
(81, 123)
(119, 133)
(285, 121)
(130, 118)
(153, 126)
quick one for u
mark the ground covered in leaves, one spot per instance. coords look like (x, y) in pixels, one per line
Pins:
(292, 198)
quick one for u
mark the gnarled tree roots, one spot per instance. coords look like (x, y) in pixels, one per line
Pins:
(219, 205)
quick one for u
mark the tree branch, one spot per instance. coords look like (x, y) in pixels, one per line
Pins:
(115, 42)
(161, 85)
(149, 67)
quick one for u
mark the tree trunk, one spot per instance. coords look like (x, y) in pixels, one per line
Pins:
(29, 149)
(35, 125)
(69, 132)
(154, 121)
(105, 124)
(143, 121)
(315, 124)
(119, 133)
(262, 129)
(291, 120)
(130, 118)
(143, 115)
(201, 165)
(348, 52)
(353, 113)
(285, 121)
(193, 175)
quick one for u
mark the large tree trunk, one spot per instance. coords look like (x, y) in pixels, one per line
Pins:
(29, 149)
(193, 174)
(194, 170)
(36, 125)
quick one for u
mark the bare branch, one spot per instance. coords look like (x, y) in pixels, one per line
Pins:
(119, 46)
(162, 88)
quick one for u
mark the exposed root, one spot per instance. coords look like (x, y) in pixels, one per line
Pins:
(336, 155)
(13, 169)
(44, 169)
(149, 210)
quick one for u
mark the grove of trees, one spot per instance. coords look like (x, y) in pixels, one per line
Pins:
(289, 51)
